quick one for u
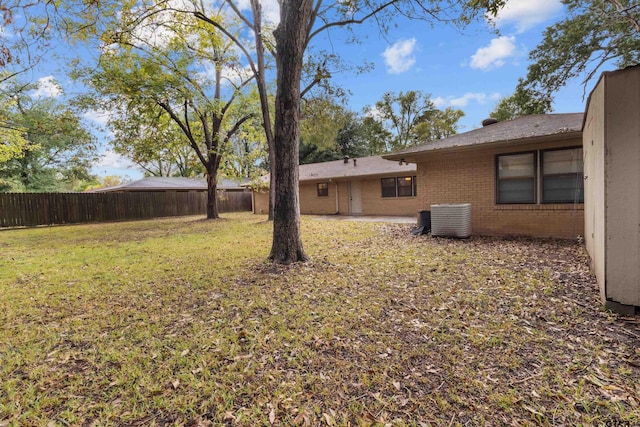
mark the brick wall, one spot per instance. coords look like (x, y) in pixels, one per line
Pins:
(311, 203)
(469, 177)
(374, 204)
(371, 197)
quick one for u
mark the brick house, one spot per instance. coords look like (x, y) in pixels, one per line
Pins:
(521, 177)
(360, 186)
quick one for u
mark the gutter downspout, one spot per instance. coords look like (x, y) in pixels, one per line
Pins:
(337, 200)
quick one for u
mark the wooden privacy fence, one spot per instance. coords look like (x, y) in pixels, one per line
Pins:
(31, 209)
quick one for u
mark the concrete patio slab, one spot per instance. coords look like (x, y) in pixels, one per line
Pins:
(368, 218)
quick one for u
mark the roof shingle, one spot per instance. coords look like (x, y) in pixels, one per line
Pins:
(358, 167)
(521, 129)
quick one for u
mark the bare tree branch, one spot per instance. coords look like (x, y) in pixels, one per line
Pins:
(352, 21)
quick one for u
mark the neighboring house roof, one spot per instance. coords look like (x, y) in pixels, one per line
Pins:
(352, 168)
(357, 167)
(521, 130)
(156, 183)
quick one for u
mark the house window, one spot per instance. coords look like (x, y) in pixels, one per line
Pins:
(402, 186)
(559, 180)
(388, 187)
(562, 176)
(516, 178)
(323, 189)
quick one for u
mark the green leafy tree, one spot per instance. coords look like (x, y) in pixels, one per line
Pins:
(373, 132)
(154, 142)
(594, 33)
(102, 182)
(300, 22)
(173, 66)
(438, 124)
(322, 118)
(411, 118)
(58, 151)
(311, 153)
(522, 102)
(357, 139)
(13, 143)
(329, 131)
(247, 155)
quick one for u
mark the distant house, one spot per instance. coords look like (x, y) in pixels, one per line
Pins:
(359, 186)
(180, 193)
(521, 177)
(157, 183)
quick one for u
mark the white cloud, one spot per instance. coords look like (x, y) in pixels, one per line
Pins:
(439, 102)
(5, 33)
(270, 10)
(480, 98)
(110, 159)
(464, 100)
(161, 27)
(232, 74)
(494, 55)
(48, 87)
(237, 74)
(373, 112)
(399, 57)
(100, 117)
(526, 14)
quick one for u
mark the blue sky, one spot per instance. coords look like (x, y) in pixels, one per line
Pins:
(468, 69)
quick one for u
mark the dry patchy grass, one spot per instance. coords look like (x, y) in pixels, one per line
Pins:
(181, 322)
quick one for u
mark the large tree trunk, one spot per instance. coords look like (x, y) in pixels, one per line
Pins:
(291, 36)
(212, 197)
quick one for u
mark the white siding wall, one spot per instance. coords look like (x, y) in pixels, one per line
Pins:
(611, 142)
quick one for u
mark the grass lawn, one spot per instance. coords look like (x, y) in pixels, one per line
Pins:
(181, 322)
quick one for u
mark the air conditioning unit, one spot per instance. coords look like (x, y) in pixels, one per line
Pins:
(451, 220)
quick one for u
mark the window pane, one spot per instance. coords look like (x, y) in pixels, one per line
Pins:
(323, 189)
(388, 187)
(566, 188)
(516, 165)
(562, 161)
(405, 186)
(562, 176)
(516, 190)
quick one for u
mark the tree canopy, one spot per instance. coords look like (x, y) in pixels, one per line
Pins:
(411, 118)
(290, 42)
(522, 102)
(49, 148)
(177, 89)
(300, 22)
(594, 33)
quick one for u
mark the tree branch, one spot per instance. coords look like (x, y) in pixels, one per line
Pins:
(310, 86)
(353, 21)
(236, 127)
(235, 94)
(185, 128)
(239, 14)
(201, 16)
